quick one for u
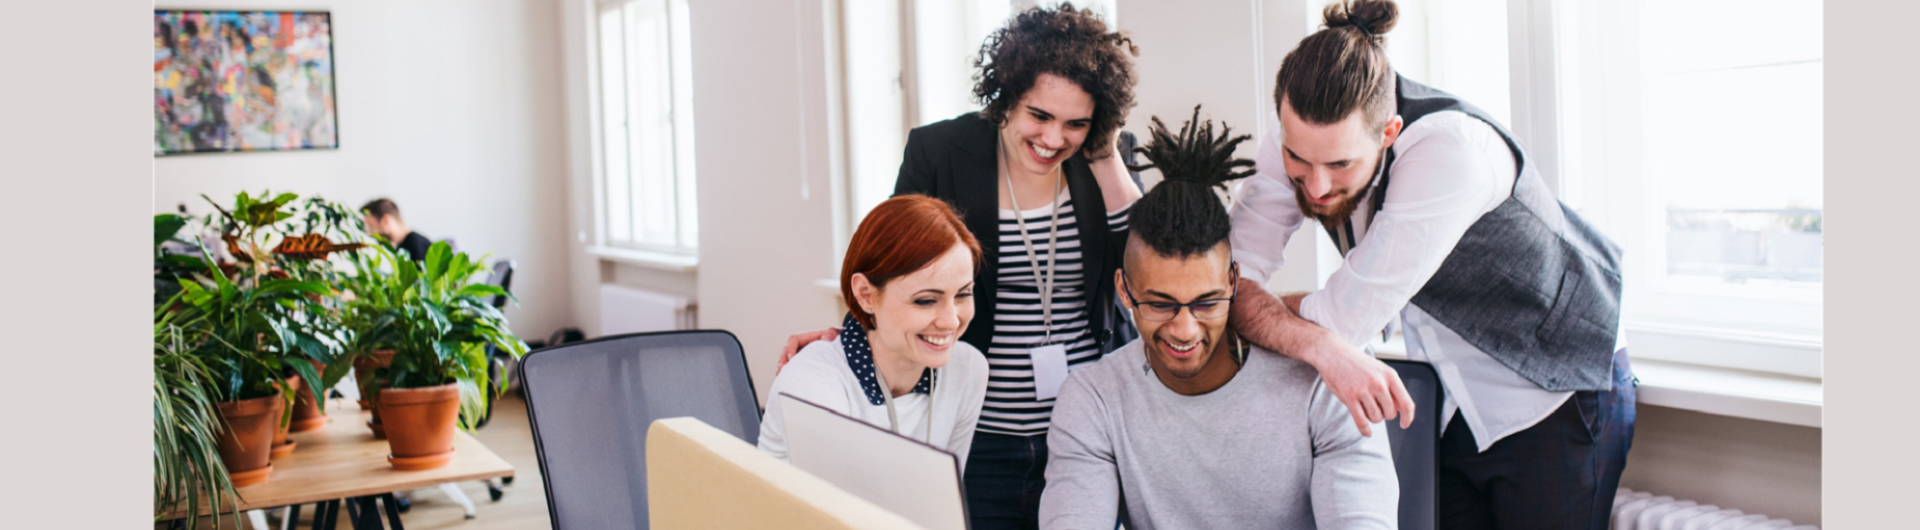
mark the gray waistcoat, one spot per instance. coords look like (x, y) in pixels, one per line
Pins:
(1531, 283)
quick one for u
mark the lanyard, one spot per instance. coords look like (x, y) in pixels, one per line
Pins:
(1033, 258)
(886, 393)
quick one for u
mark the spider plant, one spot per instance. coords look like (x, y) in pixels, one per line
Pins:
(187, 469)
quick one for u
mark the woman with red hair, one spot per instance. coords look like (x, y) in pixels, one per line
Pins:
(898, 362)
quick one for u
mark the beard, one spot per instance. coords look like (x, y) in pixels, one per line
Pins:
(1341, 210)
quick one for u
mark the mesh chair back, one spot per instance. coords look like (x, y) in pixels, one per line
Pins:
(590, 404)
(1416, 449)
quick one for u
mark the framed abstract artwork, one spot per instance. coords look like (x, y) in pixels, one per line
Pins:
(242, 81)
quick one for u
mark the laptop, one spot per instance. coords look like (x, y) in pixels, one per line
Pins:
(905, 476)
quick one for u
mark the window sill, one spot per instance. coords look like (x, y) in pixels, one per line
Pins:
(1714, 390)
(647, 258)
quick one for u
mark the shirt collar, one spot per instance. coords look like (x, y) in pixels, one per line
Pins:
(853, 340)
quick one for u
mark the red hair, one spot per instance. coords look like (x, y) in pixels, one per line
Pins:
(898, 237)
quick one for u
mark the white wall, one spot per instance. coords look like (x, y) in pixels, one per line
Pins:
(766, 208)
(452, 108)
(766, 192)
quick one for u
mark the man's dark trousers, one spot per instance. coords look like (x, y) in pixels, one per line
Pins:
(1560, 473)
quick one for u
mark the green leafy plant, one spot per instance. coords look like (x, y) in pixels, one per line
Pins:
(274, 304)
(187, 470)
(238, 330)
(436, 318)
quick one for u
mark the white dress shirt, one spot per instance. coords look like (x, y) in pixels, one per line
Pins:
(1449, 170)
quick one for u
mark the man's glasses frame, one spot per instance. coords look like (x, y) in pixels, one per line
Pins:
(1167, 311)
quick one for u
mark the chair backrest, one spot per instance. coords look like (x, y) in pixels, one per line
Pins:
(590, 404)
(705, 478)
(501, 277)
(1416, 449)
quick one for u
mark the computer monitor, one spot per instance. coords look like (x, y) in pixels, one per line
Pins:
(917, 481)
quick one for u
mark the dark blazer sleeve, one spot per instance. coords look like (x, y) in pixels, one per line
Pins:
(917, 174)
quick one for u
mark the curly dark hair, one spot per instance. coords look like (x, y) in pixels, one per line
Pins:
(1067, 42)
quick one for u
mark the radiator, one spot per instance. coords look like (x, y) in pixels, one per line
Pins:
(1639, 510)
(629, 310)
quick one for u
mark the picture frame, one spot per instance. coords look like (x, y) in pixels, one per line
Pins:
(227, 81)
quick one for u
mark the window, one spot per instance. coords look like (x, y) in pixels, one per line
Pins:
(644, 127)
(1694, 134)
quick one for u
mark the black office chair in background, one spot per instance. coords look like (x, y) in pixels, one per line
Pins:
(500, 366)
(590, 404)
(1416, 449)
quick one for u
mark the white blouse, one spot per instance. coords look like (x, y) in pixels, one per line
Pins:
(837, 374)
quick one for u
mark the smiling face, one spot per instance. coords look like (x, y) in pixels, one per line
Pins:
(1047, 125)
(1186, 352)
(1331, 165)
(918, 316)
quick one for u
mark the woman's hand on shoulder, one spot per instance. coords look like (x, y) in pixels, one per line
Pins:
(796, 342)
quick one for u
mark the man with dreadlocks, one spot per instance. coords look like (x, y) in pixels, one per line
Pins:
(1188, 426)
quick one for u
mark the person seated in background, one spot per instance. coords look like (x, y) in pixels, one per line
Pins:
(383, 218)
(898, 362)
(1188, 426)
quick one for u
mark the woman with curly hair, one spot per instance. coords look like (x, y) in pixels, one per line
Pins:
(1038, 179)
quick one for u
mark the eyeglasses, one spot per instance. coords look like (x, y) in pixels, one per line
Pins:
(1207, 309)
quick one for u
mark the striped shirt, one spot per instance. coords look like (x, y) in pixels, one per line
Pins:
(1017, 321)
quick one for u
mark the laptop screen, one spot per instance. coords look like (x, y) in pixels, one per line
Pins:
(917, 481)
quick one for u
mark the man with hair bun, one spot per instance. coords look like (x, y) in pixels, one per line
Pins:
(1444, 223)
(1188, 426)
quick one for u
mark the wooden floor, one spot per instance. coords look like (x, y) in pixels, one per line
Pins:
(523, 507)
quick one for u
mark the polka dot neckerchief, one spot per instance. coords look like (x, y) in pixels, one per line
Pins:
(853, 339)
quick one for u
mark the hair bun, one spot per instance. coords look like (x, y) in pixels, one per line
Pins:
(1374, 18)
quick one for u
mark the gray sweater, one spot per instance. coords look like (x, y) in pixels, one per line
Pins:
(1271, 449)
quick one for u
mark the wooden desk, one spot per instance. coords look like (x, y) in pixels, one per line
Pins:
(344, 460)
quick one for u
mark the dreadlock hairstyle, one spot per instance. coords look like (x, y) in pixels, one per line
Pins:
(1181, 217)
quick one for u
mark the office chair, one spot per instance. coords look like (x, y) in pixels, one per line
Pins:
(1416, 449)
(590, 404)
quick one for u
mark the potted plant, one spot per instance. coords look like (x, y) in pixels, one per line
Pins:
(373, 291)
(256, 321)
(187, 469)
(439, 324)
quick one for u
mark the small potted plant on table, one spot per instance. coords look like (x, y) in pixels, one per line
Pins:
(440, 328)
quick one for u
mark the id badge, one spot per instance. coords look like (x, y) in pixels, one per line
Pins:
(1049, 370)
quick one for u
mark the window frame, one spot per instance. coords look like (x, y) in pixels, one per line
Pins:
(683, 250)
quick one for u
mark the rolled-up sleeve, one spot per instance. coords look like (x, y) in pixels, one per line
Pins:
(1265, 215)
(1449, 171)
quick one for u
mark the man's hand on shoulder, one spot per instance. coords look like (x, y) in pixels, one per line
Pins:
(1370, 389)
(798, 341)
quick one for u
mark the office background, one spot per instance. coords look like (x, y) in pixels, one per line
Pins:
(481, 119)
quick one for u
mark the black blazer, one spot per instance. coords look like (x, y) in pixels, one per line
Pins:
(956, 161)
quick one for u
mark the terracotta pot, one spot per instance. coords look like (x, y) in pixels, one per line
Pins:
(420, 424)
(307, 412)
(281, 445)
(363, 368)
(246, 443)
